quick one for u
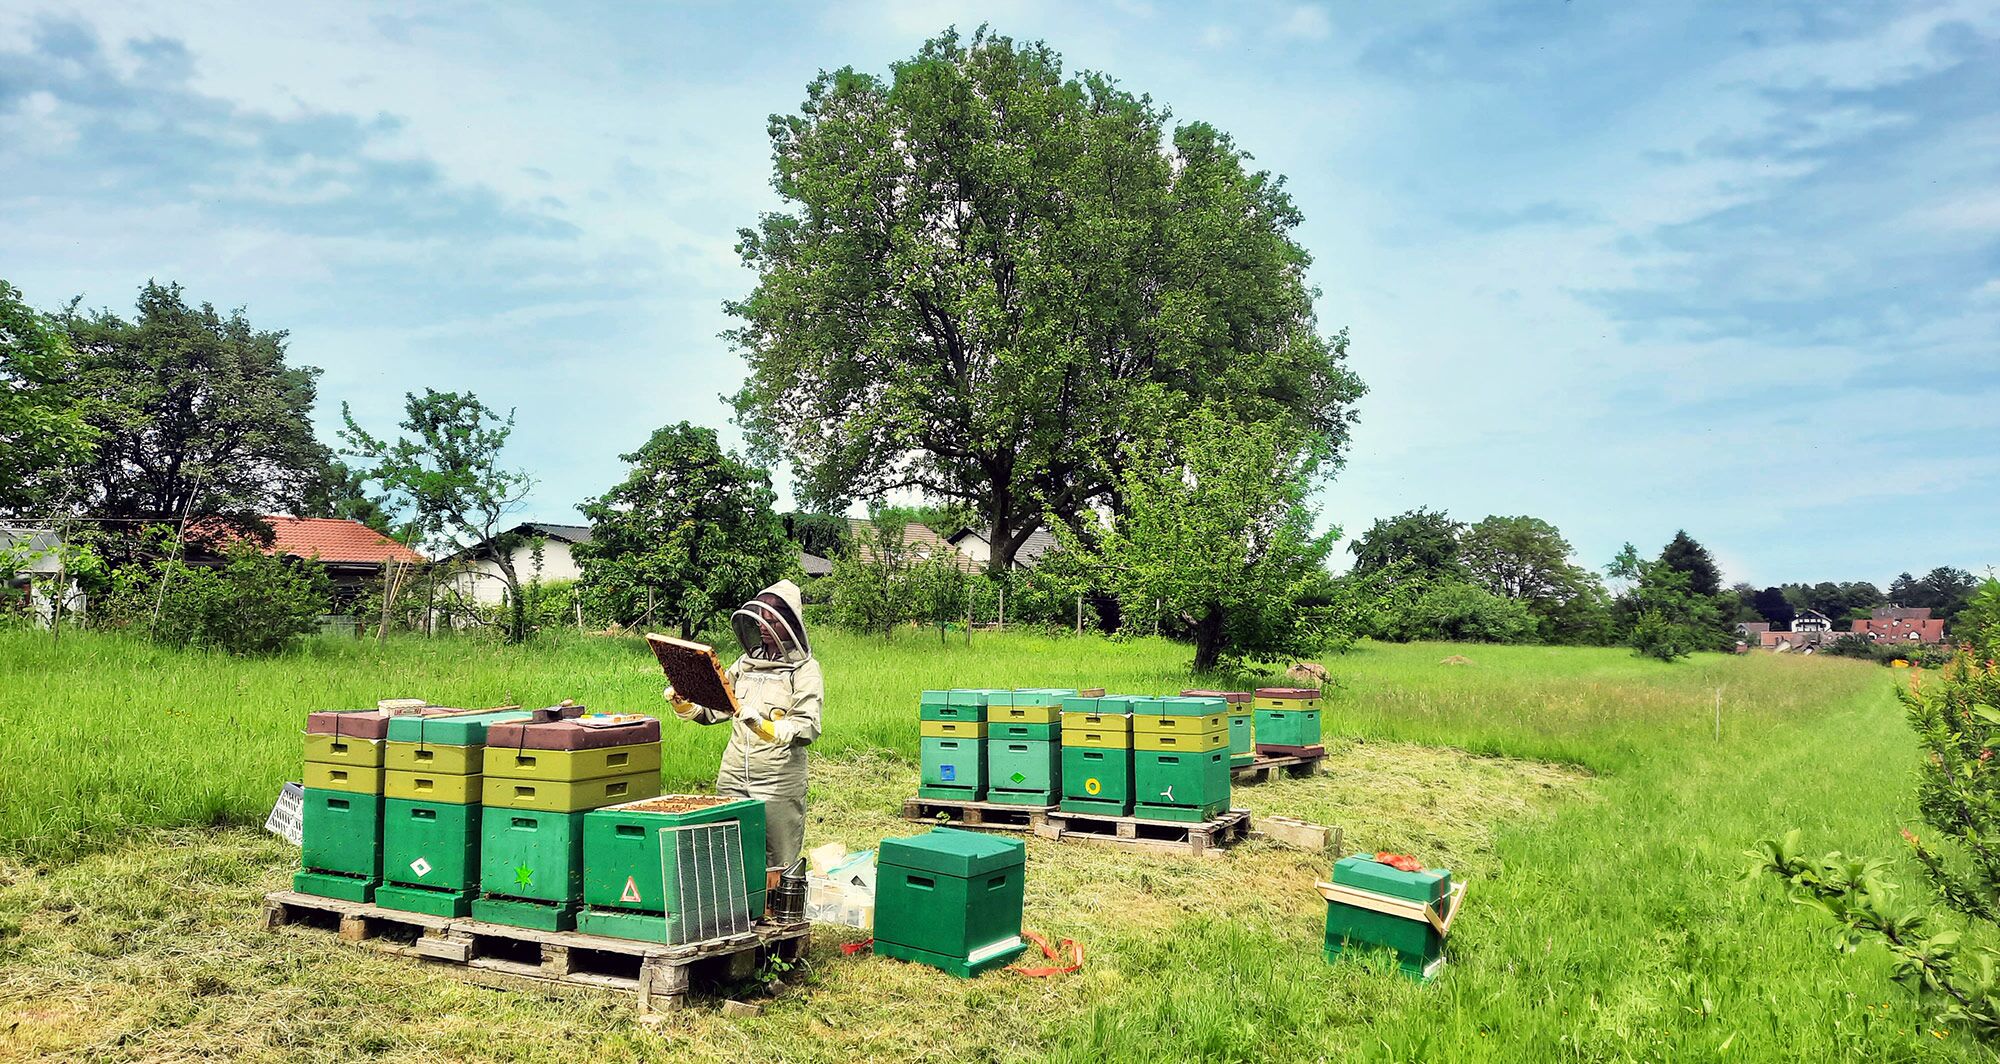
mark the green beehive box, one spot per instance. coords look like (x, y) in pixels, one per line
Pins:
(1163, 778)
(957, 763)
(531, 868)
(340, 850)
(434, 847)
(631, 872)
(938, 705)
(1050, 732)
(950, 899)
(1287, 727)
(1096, 781)
(976, 697)
(1417, 944)
(1023, 771)
(1242, 737)
(465, 729)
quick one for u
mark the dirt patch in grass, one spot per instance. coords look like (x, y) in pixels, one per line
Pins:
(154, 951)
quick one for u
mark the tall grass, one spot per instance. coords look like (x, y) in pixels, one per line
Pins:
(1616, 928)
(102, 734)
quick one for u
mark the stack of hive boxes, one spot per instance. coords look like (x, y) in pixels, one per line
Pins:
(1180, 758)
(1287, 721)
(676, 869)
(540, 777)
(950, 899)
(341, 822)
(951, 740)
(1097, 755)
(1242, 732)
(430, 810)
(1024, 746)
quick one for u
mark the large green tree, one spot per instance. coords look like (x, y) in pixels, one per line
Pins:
(691, 530)
(1217, 536)
(1526, 559)
(989, 278)
(195, 413)
(1417, 545)
(1685, 554)
(445, 472)
(44, 437)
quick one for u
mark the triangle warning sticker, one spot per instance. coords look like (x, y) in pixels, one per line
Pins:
(631, 890)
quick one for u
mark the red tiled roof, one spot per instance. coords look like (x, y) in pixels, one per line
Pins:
(335, 539)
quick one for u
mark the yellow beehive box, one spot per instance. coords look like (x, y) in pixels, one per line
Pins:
(432, 759)
(952, 729)
(344, 750)
(431, 787)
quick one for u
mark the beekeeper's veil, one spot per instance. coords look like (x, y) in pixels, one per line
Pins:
(773, 620)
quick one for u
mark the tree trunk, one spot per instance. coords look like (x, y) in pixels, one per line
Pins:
(517, 610)
(1208, 640)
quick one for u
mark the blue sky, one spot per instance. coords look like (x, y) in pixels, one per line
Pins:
(1733, 268)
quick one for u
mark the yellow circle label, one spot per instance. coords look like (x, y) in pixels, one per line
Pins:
(1091, 786)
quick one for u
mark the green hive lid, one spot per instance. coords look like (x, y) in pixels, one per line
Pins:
(1119, 703)
(1363, 872)
(952, 852)
(934, 698)
(466, 730)
(1078, 704)
(1192, 707)
(1035, 696)
(973, 696)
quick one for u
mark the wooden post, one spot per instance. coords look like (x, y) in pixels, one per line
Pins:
(1079, 615)
(1002, 623)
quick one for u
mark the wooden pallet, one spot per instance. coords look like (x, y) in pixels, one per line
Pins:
(1204, 839)
(1267, 768)
(482, 952)
(986, 816)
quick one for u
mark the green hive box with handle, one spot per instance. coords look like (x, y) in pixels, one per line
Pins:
(950, 899)
(1374, 905)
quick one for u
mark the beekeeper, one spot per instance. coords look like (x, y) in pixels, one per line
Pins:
(779, 691)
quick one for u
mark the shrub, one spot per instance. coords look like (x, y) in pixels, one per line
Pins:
(1957, 720)
(253, 603)
(1449, 609)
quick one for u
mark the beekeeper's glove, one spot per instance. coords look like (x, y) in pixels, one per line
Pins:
(683, 708)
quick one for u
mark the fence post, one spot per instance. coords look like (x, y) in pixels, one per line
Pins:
(1079, 615)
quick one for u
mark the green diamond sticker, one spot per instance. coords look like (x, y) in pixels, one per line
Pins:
(522, 873)
(1018, 778)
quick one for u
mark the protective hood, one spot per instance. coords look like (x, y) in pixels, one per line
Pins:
(771, 626)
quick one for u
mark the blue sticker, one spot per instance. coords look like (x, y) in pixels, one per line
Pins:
(949, 772)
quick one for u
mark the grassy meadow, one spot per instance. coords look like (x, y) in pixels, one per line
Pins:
(1584, 792)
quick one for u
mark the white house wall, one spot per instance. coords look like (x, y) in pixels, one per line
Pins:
(484, 584)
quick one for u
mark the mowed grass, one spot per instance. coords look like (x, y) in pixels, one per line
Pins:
(1601, 827)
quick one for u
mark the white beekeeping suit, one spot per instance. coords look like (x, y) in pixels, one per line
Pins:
(779, 689)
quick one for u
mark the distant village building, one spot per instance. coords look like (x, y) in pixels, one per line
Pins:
(975, 546)
(33, 569)
(1901, 624)
(351, 553)
(480, 579)
(920, 545)
(1810, 631)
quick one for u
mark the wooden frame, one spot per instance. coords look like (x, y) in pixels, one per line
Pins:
(695, 673)
(1403, 907)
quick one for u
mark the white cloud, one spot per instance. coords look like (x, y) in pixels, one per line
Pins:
(1307, 22)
